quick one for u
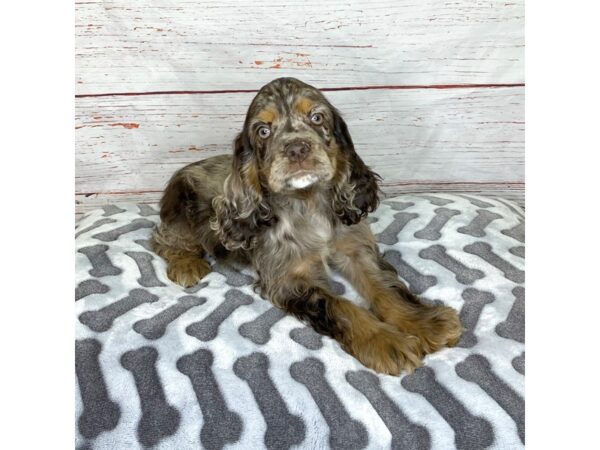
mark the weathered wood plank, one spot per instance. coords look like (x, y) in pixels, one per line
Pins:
(128, 46)
(416, 139)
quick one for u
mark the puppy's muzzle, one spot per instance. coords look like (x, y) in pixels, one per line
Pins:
(297, 151)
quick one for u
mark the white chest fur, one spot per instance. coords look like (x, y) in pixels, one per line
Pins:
(302, 227)
(310, 230)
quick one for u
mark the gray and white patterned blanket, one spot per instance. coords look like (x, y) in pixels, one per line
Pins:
(215, 366)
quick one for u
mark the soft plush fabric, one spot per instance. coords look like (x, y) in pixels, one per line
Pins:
(216, 366)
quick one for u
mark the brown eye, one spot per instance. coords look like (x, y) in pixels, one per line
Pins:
(317, 118)
(264, 132)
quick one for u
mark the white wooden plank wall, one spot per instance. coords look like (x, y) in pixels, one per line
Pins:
(433, 91)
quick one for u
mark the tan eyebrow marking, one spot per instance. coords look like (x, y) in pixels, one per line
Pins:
(304, 105)
(267, 115)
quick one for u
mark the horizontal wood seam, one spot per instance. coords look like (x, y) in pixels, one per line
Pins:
(326, 89)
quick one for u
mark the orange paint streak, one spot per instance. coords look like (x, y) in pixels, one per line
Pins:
(129, 126)
(277, 62)
(301, 60)
(258, 63)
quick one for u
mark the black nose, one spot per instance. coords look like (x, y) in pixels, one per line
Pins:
(297, 151)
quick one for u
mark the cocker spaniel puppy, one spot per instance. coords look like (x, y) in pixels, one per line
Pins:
(292, 201)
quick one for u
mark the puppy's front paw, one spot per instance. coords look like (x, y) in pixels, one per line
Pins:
(387, 351)
(187, 271)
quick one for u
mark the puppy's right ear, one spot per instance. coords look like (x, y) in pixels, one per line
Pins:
(357, 194)
(242, 210)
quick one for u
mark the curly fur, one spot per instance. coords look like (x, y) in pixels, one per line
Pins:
(357, 192)
(242, 209)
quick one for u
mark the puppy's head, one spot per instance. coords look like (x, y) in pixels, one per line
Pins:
(294, 141)
(290, 128)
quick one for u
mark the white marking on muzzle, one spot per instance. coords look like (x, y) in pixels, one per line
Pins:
(302, 181)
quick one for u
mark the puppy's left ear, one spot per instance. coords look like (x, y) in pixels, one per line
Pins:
(357, 191)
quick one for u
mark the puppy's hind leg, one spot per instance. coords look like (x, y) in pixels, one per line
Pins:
(359, 260)
(185, 265)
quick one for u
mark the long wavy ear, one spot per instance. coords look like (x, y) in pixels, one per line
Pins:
(242, 209)
(357, 193)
